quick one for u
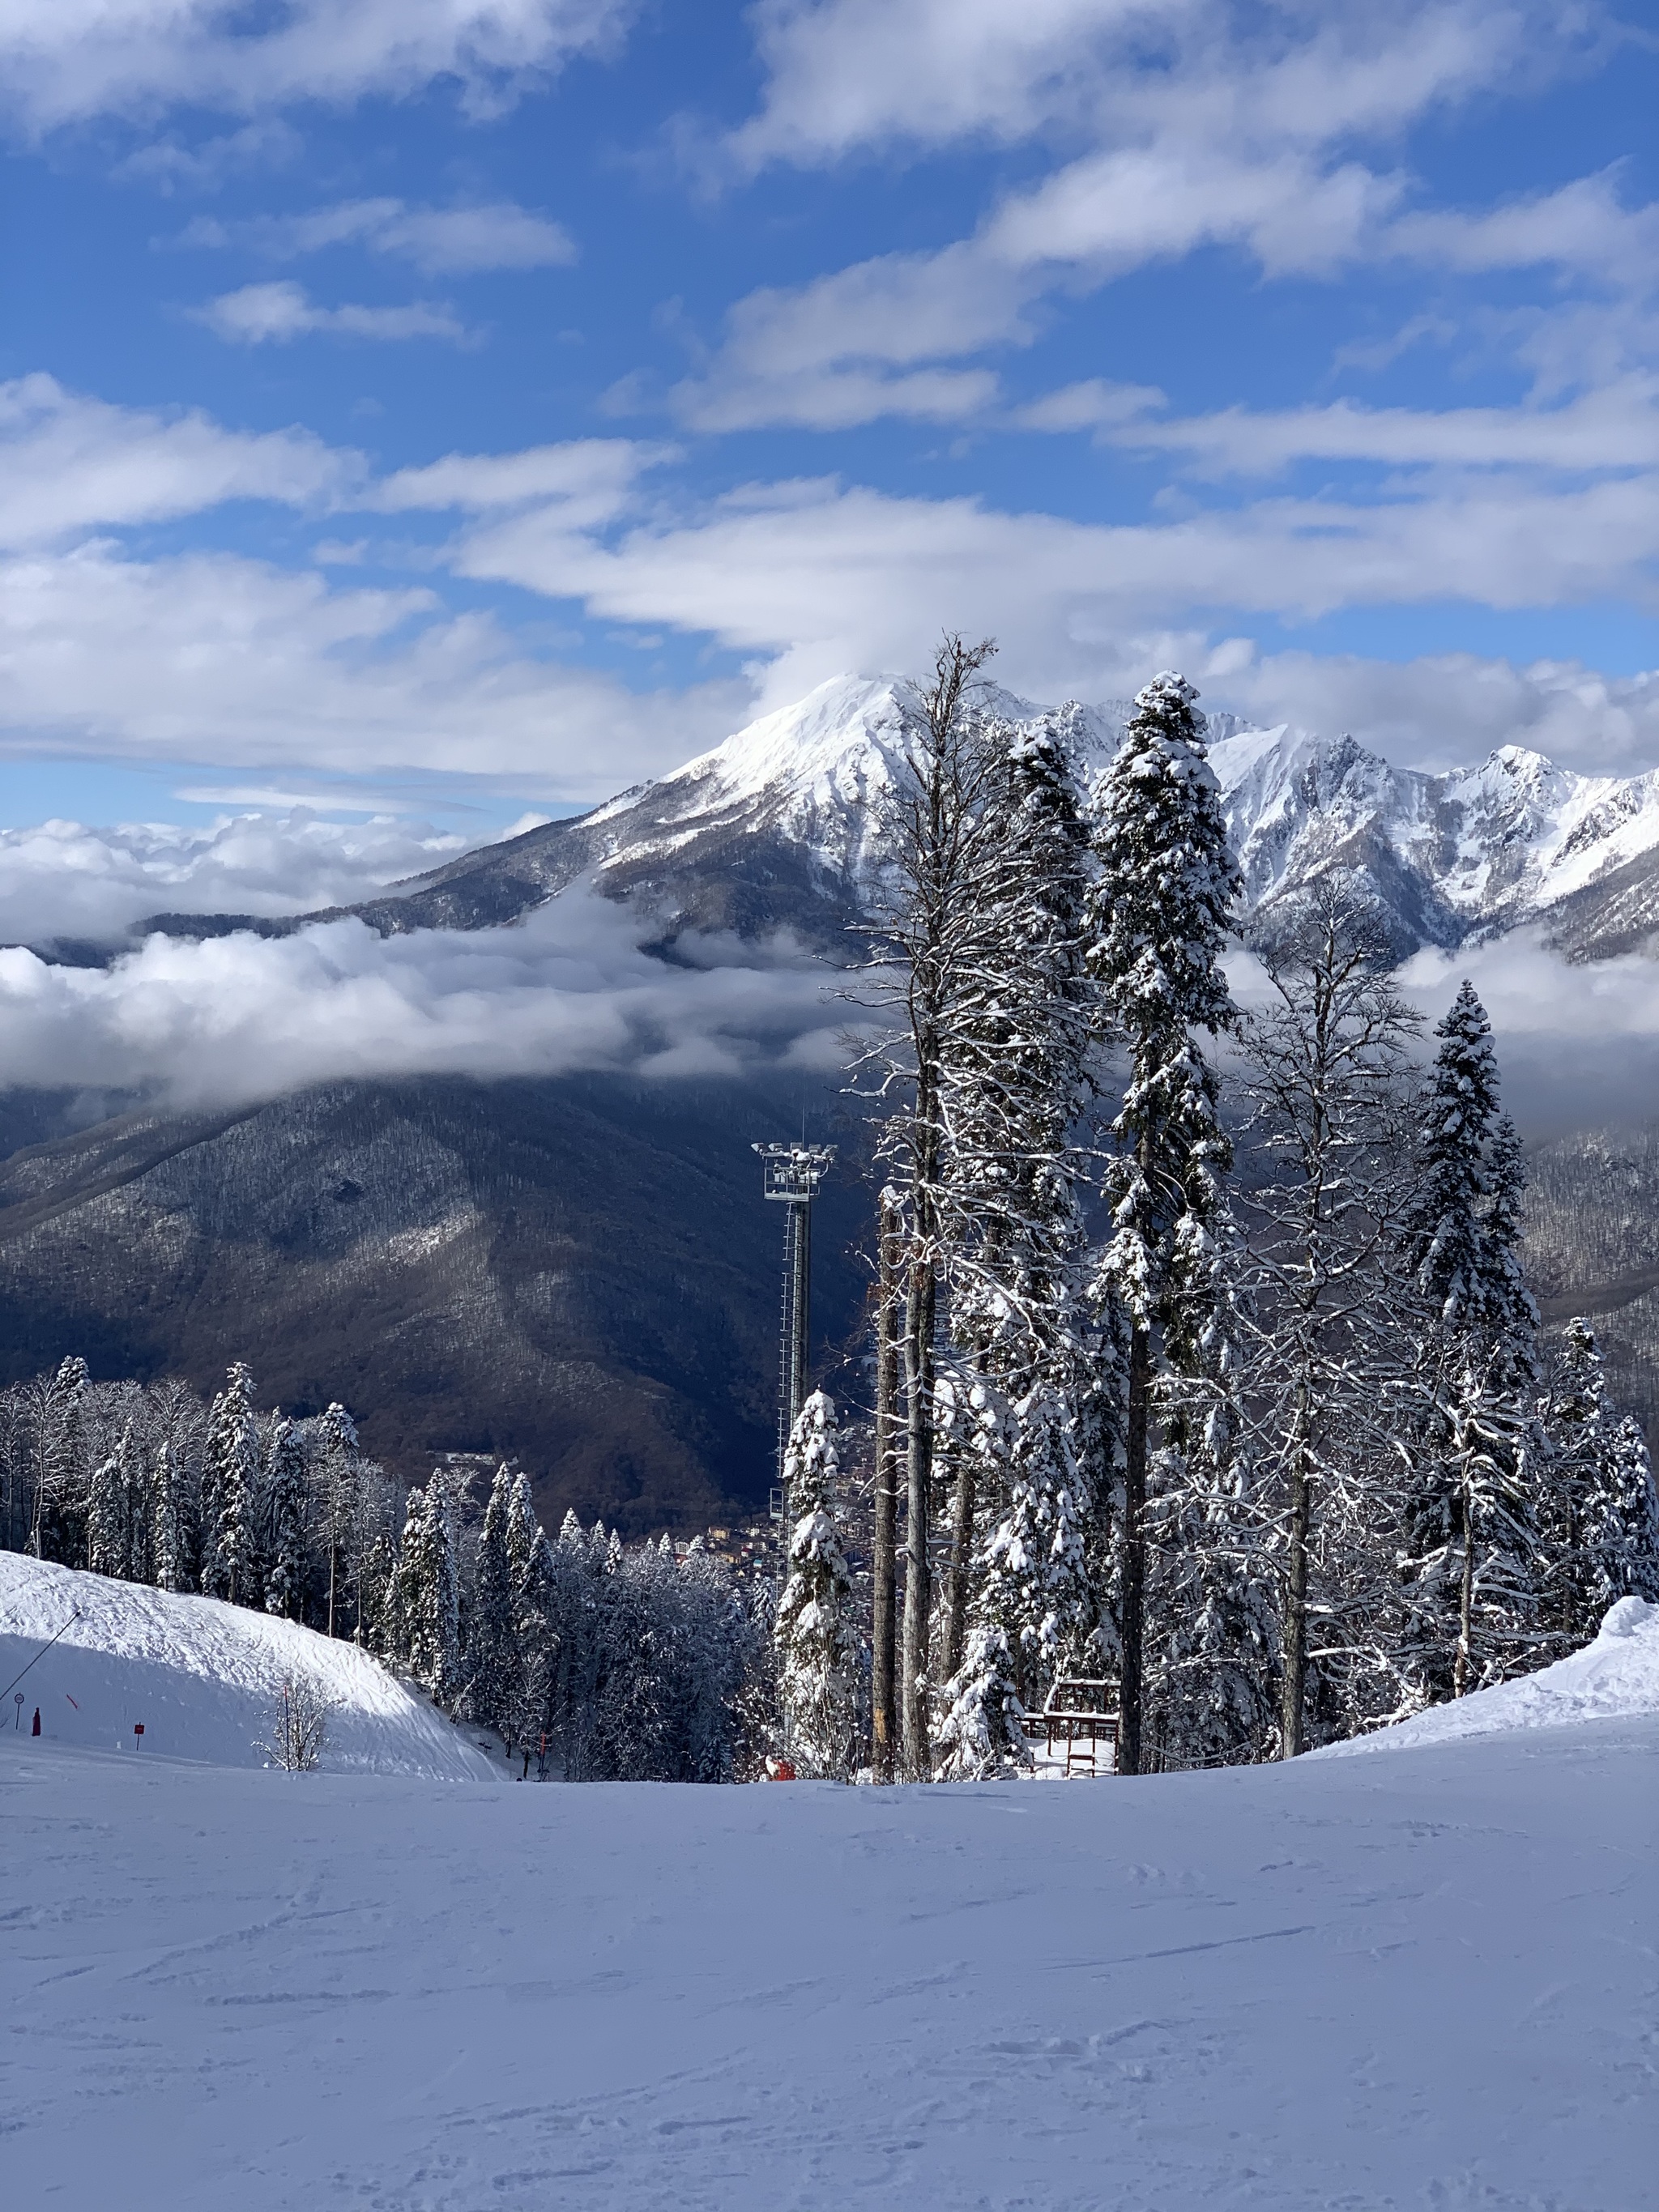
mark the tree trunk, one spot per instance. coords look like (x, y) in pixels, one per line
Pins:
(919, 1471)
(882, 1630)
(1465, 1601)
(1135, 1553)
(1293, 1691)
(962, 1556)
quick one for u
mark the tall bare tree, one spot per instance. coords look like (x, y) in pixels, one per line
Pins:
(1327, 1071)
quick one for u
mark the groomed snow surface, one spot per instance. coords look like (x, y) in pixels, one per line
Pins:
(1425, 1980)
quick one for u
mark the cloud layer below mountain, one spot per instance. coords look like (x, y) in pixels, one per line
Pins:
(240, 1018)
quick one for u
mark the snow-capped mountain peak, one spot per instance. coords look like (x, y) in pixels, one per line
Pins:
(781, 826)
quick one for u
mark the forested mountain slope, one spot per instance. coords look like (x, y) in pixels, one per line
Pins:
(580, 1272)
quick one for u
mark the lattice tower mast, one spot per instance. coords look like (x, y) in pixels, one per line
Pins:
(792, 1174)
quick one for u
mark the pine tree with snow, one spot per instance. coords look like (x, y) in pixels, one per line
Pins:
(169, 1521)
(1472, 1564)
(1155, 929)
(230, 1474)
(1013, 1089)
(812, 1630)
(1602, 1519)
(337, 1477)
(982, 1736)
(288, 1507)
(58, 1524)
(493, 1657)
(428, 1593)
(108, 1510)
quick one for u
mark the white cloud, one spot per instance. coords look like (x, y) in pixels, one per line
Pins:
(1616, 427)
(262, 314)
(1203, 125)
(1444, 710)
(269, 143)
(210, 657)
(72, 464)
(838, 578)
(1575, 1043)
(442, 241)
(240, 1017)
(587, 480)
(63, 879)
(1583, 226)
(844, 75)
(61, 61)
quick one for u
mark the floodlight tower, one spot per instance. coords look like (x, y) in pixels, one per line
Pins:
(792, 1174)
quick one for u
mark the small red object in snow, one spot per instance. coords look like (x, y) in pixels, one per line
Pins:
(779, 1770)
(138, 1728)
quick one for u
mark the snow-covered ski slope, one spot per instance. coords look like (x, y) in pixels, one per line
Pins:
(1613, 1678)
(1422, 1983)
(202, 1678)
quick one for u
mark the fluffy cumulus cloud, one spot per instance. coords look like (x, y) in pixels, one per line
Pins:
(71, 463)
(241, 1017)
(64, 880)
(214, 658)
(1203, 123)
(63, 61)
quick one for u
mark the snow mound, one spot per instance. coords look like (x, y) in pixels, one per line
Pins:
(1614, 1677)
(201, 1678)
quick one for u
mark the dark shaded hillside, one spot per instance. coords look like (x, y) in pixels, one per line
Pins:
(580, 1272)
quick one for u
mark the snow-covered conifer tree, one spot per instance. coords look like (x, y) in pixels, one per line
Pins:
(492, 1664)
(230, 1472)
(170, 1536)
(812, 1631)
(58, 1527)
(1601, 1515)
(287, 1535)
(108, 1510)
(1471, 1558)
(1011, 1091)
(337, 1467)
(429, 1592)
(1156, 924)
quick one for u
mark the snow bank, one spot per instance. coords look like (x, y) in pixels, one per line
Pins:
(201, 1677)
(1614, 1677)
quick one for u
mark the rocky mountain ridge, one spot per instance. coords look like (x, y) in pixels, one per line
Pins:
(779, 827)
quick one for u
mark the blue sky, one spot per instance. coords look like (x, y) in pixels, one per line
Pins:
(448, 411)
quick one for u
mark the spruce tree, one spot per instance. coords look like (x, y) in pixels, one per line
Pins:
(428, 1599)
(170, 1553)
(1013, 1089)
(1156, 928)
(1602, 1516)
(287, 1500)
(812, 1630)
(493, 1646)
(58, 1524)
(1471, 1564)
(107, 1511)
(230, 1472)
